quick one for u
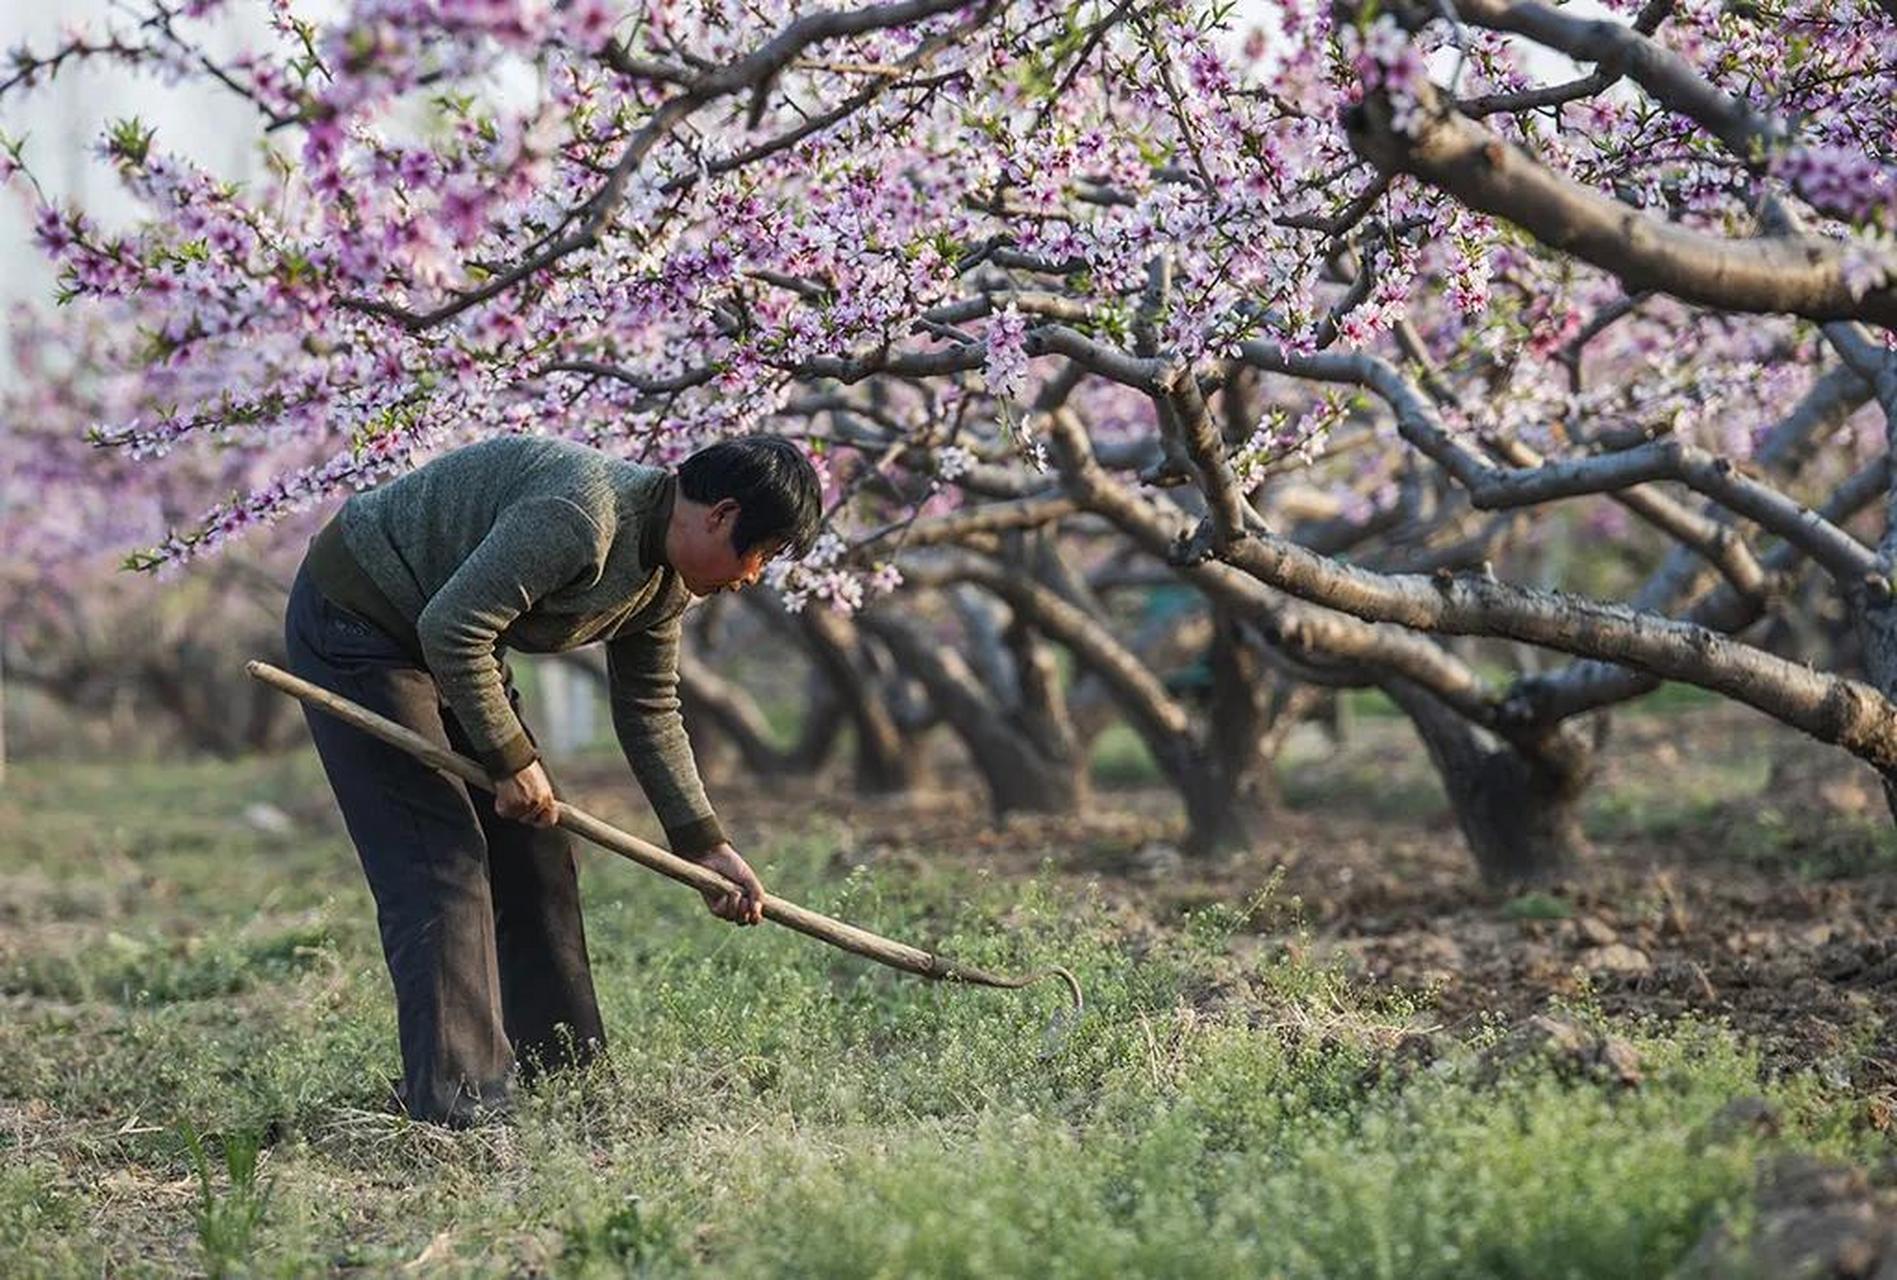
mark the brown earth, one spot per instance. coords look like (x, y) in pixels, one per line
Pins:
(1739, 874)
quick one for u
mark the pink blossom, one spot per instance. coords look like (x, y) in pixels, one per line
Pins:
(463, 213)
(53, 230)
(1005, 368)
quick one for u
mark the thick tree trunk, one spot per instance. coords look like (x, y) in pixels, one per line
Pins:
(1233, 788)
(1518, 809)
(984, 628)
(712, 703)
(1877, 637)
(1022, 780)
(884, 762)
(1042, 708)
(709, 701)
(824, 715)
(189, 681)
(1222, 814)
(1020, 775)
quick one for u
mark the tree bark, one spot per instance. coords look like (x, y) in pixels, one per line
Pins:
(1234, 788)
(884, 762)
(3, 711)
(709, 701)
(712, 704)
(1518, 810)
(1020, 776)
(1803, 276)
(1550, 765)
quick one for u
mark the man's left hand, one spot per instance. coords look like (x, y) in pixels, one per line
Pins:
(744, 905)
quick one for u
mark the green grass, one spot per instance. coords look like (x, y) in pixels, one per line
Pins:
(1120, 759)
(1536, 905)
(202, 1093)
(1664, 802)
(1727, 801)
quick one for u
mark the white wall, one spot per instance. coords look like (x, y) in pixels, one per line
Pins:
(64, 118)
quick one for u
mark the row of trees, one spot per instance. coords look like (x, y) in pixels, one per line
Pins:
(1348, 325)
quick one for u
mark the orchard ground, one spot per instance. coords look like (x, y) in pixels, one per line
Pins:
(1336, 1055)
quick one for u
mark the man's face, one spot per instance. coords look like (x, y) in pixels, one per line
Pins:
(710, 563)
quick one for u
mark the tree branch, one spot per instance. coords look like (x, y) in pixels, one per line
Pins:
(1489, 487)
(1805, 276)
(1830, 708)
(755, 69)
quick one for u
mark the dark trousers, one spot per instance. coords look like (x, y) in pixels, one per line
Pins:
(479, 915)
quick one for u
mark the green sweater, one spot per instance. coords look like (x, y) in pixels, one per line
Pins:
(539, 545)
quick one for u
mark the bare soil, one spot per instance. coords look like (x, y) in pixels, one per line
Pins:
(1739, 874)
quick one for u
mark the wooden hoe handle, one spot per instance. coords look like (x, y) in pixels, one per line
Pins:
(883, 950)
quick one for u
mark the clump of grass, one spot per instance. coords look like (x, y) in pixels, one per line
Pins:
(772, 1107)
(1812, 846)
(1120, 758)
(35, 1208)
(1537, 905)
(227, 1220)
(159, 970)
(626, 1238)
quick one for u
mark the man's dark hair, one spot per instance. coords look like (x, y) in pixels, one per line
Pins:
(776, 489)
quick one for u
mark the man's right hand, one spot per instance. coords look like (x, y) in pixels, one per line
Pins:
(527, 797)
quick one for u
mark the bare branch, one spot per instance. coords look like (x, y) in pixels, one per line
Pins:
(1625, 51)
(1831, 708)
(1589, 685)
(1304, 631)
(1804, 276)
(1492, 487)
(993, 517)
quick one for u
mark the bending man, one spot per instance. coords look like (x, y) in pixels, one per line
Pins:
(406, 603)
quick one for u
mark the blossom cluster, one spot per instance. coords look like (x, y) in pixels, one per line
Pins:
(861, 244)
(1391, 63)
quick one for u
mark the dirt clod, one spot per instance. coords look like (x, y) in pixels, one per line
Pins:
(1571, 1048)
(1616, 958)
(1746, 1116)
(1595, 932)
(1814, 1219)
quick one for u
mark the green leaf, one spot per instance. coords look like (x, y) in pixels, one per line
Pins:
(129, 141)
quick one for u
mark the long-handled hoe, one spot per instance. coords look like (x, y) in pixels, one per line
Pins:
(896, 955)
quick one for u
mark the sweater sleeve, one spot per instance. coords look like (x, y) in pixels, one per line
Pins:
(642, 671)
(533, 547)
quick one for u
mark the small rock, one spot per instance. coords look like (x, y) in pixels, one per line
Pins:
(1850, 962)
(1686, 979)
(1157, 860)
(1813, 1219)
(1616, 958)
(1747, 1116)
(1676, 921)
(1823, 783)
(1847, 795)
(1439, 959)
(1419, 1048)
(1816, 935)
(267, 818)
(1801, 1181)
(1572, 1050)
(1595, 932)
(1617, 1061)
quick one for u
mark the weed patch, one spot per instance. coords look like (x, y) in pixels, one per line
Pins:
(769, 1107)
